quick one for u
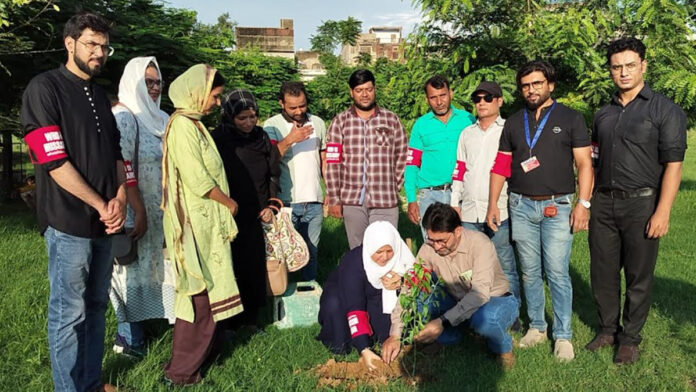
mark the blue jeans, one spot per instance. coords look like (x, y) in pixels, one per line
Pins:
(543, 241)
(503, 247)
(492, 320)
(426, 197)
(307, 219)
(79, 273)
(132, 333)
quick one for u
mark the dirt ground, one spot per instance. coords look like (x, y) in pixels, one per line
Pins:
(350, 374)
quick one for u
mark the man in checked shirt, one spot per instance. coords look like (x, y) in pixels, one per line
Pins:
(366, 153)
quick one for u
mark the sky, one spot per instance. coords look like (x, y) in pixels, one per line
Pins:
(307, 14)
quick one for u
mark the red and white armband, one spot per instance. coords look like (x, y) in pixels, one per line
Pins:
(503, 165)
(46, 145)
(131, 180)
(334, 153)
(595, 150)
(414, 157)
(359, 323)
(459, 171)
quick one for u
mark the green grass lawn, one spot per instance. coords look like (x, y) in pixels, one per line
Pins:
(277, 360)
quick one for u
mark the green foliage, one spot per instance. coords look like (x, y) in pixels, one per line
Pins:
(332, 33)
(261, 74)
(419, 291)
(492, 38)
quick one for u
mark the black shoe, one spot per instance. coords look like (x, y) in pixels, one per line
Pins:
(627, 354)
(599, 341)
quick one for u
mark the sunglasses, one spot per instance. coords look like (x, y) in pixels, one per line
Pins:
(477, 98)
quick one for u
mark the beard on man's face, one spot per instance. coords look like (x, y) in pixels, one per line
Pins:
(84, 67)
(365, 107)
(534, 104)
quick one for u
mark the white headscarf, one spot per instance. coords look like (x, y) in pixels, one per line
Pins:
(132, 92)
(377, 235)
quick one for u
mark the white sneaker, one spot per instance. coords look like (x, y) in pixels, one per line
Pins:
(563, 350)
(532, 338)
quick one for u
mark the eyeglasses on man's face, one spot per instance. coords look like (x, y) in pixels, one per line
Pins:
(438, 241)
(630, 67)
(107, 50)
(488, 98)
(536, 85)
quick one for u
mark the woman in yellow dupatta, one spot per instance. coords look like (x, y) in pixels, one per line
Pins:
(198, 224)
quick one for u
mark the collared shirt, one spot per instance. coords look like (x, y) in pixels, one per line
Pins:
(471, 274)
(369, 154)
(300, 167)
(631, 144)
(564, 131)
(433, 150)
(66, 118)
(477, 150)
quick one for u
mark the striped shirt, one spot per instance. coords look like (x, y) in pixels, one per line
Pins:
(365, 159)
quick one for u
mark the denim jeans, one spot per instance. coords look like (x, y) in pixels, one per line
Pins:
(79, 273)
(132, 333)
(307, 219)
(426, 197)
(492, 320)
(543, 241)
(503, 247)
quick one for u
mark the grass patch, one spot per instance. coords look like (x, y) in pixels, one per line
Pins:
(278, 359)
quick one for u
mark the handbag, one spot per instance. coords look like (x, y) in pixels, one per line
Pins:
(123, 247)
(286, 250)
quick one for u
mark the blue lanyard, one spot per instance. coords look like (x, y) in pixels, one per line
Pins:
(540, 127)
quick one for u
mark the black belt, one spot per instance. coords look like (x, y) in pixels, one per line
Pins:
(543, 197)
(442, 187)
(640, 192)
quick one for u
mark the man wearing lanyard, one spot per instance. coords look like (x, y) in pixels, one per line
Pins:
(538, 148)
(432, 149)
(638, 143)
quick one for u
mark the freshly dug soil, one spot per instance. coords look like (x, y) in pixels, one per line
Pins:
(351, 374)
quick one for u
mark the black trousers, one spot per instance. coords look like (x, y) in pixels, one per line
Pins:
(617, 240)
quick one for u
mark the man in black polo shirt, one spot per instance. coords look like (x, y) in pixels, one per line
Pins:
(74, 144)
(538, 147)
(638, 145)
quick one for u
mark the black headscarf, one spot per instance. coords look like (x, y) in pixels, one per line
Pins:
(251, 161)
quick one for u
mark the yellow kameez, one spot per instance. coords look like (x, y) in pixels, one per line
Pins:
(197, 230)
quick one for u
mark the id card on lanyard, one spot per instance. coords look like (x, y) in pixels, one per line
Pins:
(532, 163)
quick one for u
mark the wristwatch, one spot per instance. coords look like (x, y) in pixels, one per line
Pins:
(585, 203)
(445, 322)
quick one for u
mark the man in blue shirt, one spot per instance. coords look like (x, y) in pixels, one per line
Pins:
(432, 149)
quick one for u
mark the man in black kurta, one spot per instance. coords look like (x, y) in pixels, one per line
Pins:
(74, 144)
(638, 145)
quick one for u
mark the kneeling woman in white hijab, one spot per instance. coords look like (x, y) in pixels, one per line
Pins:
(361, 293)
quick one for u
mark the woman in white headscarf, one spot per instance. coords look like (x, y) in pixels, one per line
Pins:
(143, 289)
(360, 295)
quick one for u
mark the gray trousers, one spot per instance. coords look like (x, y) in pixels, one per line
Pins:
(357, 218)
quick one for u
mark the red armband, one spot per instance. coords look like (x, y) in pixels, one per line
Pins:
(130, 174)
(459, 170)
(414, 157)
(334, 152)
(273, 142)
(502, 165)
(595, 150)
(46, 144)
(359, 323)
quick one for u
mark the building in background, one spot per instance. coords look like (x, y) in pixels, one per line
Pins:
(271, 41)
(378, 42)
(309, 65)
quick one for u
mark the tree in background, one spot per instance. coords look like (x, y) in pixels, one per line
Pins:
(332, 33)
